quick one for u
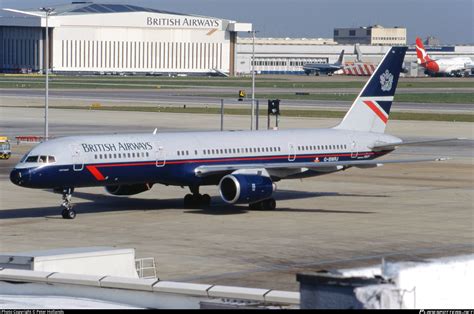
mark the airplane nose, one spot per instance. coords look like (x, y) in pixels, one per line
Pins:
(19, 176)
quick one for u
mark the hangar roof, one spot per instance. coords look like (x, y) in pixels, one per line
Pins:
(83, 7)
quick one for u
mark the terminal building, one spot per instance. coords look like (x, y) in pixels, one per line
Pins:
(372, 35)
(88, 37)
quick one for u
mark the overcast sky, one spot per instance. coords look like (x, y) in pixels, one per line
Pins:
(449, 20)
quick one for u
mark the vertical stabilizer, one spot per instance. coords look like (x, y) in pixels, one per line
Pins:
(421, 55)
(369, 112)
(340, 59)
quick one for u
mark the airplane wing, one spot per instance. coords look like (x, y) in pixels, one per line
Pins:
(207, 170)
(391, 146)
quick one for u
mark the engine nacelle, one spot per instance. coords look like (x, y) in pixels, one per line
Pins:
(128, 189)
(245, 188)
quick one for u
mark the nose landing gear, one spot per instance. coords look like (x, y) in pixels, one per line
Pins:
(68, 212)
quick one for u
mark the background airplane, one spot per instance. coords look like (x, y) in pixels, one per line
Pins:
(243, 164)
(446, 66)
(324, 68)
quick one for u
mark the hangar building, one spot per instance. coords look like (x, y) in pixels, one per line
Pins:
(88, 37)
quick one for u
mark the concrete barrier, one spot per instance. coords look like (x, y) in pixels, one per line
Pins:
(128, 283)
(238, 293)
(147, 293)
(182, 288)
(75, 279)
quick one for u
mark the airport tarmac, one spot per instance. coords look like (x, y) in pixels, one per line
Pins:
(351, 218)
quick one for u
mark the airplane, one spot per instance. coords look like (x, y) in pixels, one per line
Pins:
(243, 164)
(324, 68)
(446, 66)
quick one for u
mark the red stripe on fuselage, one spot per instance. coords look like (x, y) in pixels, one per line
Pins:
(96, 173)
(376, 110)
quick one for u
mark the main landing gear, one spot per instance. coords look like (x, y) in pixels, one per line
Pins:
(68, 212)
(268, 204)
(196, 200)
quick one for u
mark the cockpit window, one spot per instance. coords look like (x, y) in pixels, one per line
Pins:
(32, 159)
(39, 159)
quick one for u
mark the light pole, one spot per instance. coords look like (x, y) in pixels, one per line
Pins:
(47, 12)
(253, 79)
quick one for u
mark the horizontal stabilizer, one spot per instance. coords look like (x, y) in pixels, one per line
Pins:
(203, 171)
(391, 146)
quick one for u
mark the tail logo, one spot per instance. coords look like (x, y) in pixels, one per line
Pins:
(386, 81)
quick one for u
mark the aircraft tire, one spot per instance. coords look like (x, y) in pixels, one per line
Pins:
(71, 214)
(188, 201)
(206, 200)
(269, 204)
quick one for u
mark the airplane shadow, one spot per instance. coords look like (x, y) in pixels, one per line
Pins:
(105, 203)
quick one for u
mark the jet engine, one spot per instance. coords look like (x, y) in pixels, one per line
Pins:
(245, 188)
(127, 189)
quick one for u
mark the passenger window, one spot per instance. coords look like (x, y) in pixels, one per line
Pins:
(100, 156)
(195, 152)
(51, 159)
(129, 155)
(95, 156)
(147, 154)
(115, 155)
(187, 153)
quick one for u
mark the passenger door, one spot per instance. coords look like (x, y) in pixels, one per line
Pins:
(291, 152)
(160, 155)
(354, 149)
(77, 158)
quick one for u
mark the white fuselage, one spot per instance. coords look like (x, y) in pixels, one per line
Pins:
(123, 159)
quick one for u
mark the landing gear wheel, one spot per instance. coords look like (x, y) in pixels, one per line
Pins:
(67, 212)
(268, 204)
(206, 200)
(71, 214)
(196, 200)
(188, 201)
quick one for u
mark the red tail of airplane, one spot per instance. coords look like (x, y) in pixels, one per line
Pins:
(423, 59)
(422, 56)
